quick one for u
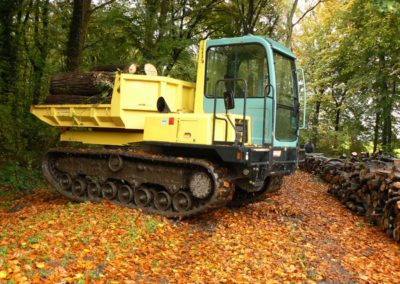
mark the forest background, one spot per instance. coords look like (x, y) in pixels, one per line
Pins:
(350, 51)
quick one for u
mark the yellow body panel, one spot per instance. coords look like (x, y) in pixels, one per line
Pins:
(139, 92)
(133, 113)
(189, 128)
(134, 97)
(101, 137)
(168, 128)
(201, 71)
(87, 116)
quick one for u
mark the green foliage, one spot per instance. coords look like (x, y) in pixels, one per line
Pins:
(24, 49)
(349, 48)
(388, 5)
(351, 53)
(33, 39)
(20, 178)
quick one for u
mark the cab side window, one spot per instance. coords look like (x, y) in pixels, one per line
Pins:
(286, 92)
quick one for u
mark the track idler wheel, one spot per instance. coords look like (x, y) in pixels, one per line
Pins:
(182, 201)
(65, 181)
(109, 190)
(162, 200)
(79, 187)
(125, 194)
(143, 197)
(94, 190)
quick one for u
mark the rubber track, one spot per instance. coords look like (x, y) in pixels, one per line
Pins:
(219, 198)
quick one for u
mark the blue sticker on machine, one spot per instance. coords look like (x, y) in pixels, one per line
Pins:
(164, 121)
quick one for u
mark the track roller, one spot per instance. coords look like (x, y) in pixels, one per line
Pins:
(182, 201)
(79, 187)
(143, 197)
(162, 200)
(109, 190)
(65, 181)
(94, 190)
(125, 194)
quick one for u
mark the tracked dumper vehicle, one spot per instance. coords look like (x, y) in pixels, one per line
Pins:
(176, 148)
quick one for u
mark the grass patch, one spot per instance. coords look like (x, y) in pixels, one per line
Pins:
(134, 234)
(35, 239)
(94, 275)
(3, 253)
(151, 225)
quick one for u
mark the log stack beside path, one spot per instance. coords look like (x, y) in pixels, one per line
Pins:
(369, 186)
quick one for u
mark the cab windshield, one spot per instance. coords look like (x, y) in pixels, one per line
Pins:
(241, 66)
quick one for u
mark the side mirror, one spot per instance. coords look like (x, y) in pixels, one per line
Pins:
(229, 100)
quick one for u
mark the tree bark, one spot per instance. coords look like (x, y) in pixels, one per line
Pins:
(82, 84)
(316, 122)
(77, 33)
(41, 35)
(337, 118)
(290, 25)
(338, 105)
(376, 131)
(387, 107)
(72, 99)
(9, 48)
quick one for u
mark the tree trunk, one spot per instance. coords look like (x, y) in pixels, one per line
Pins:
(39, 58)
(289, 25)
(247, 23)
(392, 98)
(72, 99)
(9, 49)
(376, 130)
(150, 46)
(387, 107)
(337, 118)
(315, 121)
(77, 33)
(82, 84)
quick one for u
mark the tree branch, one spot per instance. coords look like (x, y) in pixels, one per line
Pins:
(308, 11)
(101, 6)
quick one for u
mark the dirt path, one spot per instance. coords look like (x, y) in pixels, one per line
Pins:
(302, 235)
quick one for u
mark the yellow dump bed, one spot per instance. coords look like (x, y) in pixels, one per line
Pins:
(134, 113)
(133, 97)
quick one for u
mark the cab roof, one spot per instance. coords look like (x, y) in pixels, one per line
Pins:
(251, 39)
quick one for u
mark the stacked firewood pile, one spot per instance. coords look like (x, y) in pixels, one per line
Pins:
(369, 186)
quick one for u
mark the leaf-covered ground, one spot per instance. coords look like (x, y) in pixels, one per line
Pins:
(302, 235)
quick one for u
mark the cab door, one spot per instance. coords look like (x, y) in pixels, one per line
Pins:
(287, 102)
(243, 70)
